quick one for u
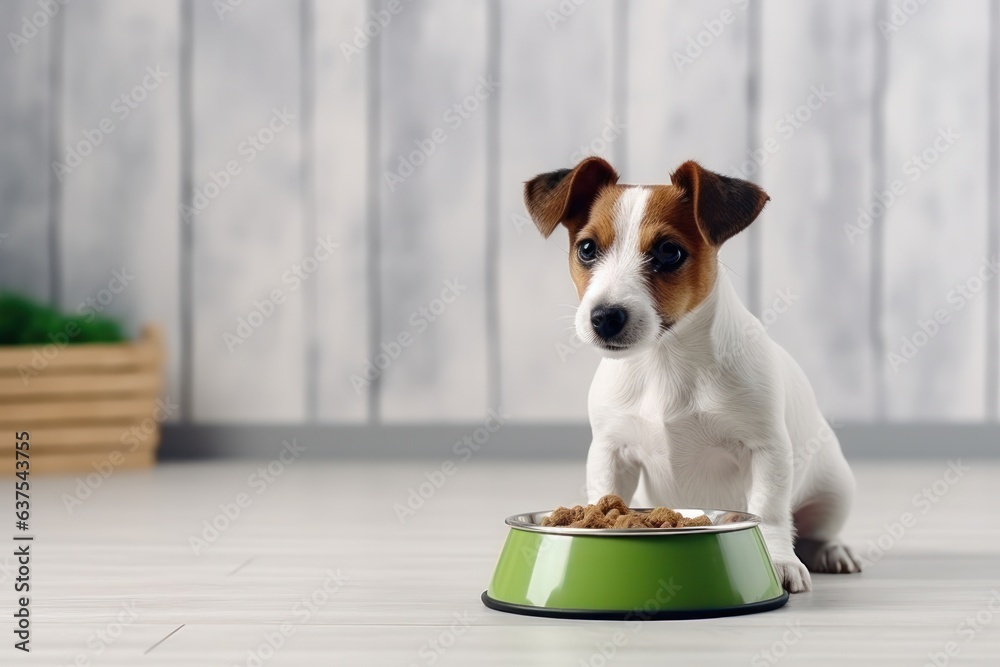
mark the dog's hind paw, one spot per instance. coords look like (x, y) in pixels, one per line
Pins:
(793, 575)
(834, 558)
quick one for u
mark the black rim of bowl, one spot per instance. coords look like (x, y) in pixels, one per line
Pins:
(635, 615)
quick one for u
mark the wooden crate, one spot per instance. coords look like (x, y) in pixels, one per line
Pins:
(87, 407)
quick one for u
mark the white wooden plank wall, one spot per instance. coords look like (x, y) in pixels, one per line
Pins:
(119, 235)
(646, 84)
(434, 91)
(935, 234)
(817, 118)
(247, 114)
(339, 182)
(26, 109)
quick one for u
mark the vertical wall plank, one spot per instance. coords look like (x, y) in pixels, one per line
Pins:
(119, 205)
(935, 233)
(432, 221)
(556, 103)
(491, 263)
(815, 277)
(339, 182)
(876, 231)
(24, 171)
(249, 236)
(993, 218)
(689, 102)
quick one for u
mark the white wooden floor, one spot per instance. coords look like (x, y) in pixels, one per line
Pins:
(117, 583)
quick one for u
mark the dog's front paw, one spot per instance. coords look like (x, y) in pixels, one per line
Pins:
(793, 575)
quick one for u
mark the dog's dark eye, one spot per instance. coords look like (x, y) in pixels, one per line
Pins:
(667, 256)
(586, 250)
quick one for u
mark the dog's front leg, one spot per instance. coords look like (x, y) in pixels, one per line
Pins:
(610, 471)
(771, 499)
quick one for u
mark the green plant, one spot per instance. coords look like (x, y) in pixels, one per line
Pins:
(27, 322)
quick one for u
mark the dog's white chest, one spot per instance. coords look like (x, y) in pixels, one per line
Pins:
(687, 453)
(694, 464)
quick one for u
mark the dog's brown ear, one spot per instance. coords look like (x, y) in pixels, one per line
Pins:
(723, 206)
(566, 195)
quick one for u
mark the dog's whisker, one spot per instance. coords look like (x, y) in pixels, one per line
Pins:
(730, 269)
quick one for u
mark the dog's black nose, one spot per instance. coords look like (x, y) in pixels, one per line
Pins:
(608, 321)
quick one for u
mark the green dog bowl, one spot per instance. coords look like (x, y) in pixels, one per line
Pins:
(637, 573)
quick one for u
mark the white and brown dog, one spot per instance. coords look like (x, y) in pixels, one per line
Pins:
(692, 396)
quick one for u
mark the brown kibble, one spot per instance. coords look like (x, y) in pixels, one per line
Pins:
(648, 521)
(592, 518)
(663, 517)
(612, 502)
(612, 512)
(561, 516)
(694, 521)
(631, 520)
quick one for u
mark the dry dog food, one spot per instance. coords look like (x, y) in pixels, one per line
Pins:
(612, 512)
